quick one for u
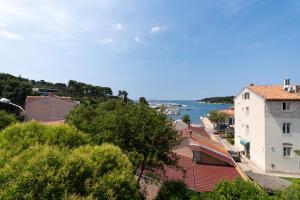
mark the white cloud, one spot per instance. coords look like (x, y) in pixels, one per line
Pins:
(156, 29)
(137, 39)
(105, 41)
(118, 27)
(10, 35)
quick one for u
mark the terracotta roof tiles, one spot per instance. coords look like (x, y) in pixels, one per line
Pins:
(274, 92)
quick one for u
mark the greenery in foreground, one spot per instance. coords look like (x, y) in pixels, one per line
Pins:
(226, 190)
(60, 162)
(225, 100)
(145, 135)
(6, 119)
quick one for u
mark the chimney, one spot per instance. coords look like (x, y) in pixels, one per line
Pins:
(286, 84)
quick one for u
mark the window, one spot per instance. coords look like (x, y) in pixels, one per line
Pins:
(247, 111)
(286, 106)
(287, 150)
(246, 95)
(286, 128)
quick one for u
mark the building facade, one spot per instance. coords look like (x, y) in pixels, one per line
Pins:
(267, 126)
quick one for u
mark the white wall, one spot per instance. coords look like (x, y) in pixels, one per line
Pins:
(256, 122)
(275, 117)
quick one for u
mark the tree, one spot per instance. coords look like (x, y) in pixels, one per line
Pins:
(173, 190)
(186, 119)
(137, 129)
(124, 95)
(6, 119)
(143, 100)
(217, 117)
(238, 189)
(59, 162)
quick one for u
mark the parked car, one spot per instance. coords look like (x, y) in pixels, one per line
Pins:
(235, 155)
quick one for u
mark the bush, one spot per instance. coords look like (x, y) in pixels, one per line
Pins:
(238, 189)
(173, 190)
(58, 162)
(6, 119)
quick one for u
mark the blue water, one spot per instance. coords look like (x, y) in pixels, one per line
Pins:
(197, 109)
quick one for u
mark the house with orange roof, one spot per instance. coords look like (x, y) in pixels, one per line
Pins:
(267, 126)
(204, 162)
(49, 109)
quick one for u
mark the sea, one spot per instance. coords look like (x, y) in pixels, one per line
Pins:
(196, 109)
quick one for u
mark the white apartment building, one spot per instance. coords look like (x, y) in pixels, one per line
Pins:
(267, 126)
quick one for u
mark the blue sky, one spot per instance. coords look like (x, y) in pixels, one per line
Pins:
(160, 49)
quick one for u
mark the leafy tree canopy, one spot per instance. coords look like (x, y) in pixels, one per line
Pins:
(58, 162)
(217, 117)
(186, 119)
(146, 135)
(173, 190)
(227, 100)
(17, 89)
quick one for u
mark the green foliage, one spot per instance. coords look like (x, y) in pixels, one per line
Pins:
(17, 89)
(173, 190)
(186, 119)
(6, 119)
(297, 151)
(238, 189)
(217, 117)
(143, 100)
(137, 129)
(292, 192)
(230, 138)
(123, 94)
(225, 100)
(58, 162)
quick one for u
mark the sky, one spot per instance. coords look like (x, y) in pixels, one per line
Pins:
(159, 49)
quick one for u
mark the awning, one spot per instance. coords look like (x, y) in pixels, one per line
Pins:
(245, 143)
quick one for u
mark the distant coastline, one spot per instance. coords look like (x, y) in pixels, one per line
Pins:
(217, 100)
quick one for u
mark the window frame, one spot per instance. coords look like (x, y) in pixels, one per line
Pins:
(286, 128)
(289, 147)
(286, 106)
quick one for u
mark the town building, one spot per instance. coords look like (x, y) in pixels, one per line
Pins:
(204, 162)
(267, 126)
(49, 109)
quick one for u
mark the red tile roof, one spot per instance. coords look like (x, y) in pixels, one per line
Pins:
(202, 178)
(274, 92)
(199, 130)
(30, 99)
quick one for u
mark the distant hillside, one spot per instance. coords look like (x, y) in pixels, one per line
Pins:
(225, 100)
(17, 89)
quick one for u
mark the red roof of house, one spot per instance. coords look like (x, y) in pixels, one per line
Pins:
(202, 178)
(199, 130)
(30, 99)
